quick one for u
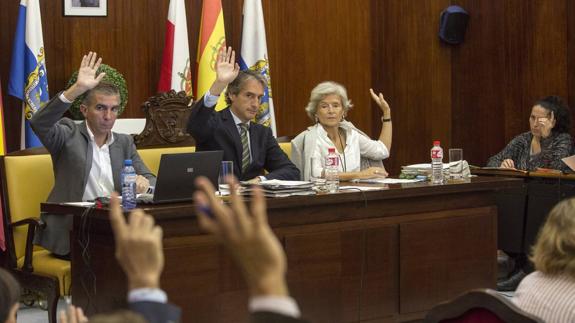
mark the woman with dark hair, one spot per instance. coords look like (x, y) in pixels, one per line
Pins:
(547, 142)
(9, 297)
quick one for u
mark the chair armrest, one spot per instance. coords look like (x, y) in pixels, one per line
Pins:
(32, 224)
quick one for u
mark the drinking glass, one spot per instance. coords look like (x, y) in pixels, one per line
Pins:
(456, 163)
(226, 169)
(316, 173)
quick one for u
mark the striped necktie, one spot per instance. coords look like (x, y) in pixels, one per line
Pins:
(245, 146)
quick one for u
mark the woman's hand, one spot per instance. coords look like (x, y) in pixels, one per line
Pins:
(507, 163)
(383, 105)
(373, 172)
(546, 125)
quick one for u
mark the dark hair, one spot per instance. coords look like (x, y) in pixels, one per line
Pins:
(560, 111)
(9, 294)
(238, 83)
(104, 87)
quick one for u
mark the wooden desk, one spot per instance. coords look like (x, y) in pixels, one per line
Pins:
(523, 210)
(386, 255)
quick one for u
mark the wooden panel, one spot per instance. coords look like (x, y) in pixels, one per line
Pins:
(326, 270)
(443, 263)
(413, 70)
(311, 41)
(515, 52)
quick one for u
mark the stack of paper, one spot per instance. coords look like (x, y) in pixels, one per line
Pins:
(279, 188)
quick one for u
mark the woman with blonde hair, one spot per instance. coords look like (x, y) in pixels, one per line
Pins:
(359, 155)
(549, 292)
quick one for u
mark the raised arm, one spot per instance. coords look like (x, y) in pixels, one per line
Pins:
(386, 127)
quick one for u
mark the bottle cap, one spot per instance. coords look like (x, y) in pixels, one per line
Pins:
(436, 143)
(331, 150)
(127, 162)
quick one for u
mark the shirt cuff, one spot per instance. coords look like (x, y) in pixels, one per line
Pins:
(277, 304)
(64, 98)
(147, 295)
(210, 100)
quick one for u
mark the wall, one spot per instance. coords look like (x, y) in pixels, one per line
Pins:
(476, 96)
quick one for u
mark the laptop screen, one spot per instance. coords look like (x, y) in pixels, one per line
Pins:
(177, 173)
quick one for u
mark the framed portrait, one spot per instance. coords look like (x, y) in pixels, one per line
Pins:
(97, 8)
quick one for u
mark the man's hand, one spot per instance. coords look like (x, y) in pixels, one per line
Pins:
(507, 163)
(142, 184)
(226, 70)
(138, 246)
(247, 236)
(383, 105)
(87, 78)
(73, 315)
(255, 180)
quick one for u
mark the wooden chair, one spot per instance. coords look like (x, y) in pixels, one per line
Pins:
(167, 115)
(27, 179)
(479, 306)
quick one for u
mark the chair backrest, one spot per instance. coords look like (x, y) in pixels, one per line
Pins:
(27, 181)
(479, 305)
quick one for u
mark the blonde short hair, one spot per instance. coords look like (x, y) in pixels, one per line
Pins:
(322, 90)
(554, 250)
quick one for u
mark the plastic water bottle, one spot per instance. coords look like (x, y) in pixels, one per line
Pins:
(332, 171)
(128, 185)
(436, 163)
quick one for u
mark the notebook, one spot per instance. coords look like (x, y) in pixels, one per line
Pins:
(177, 173)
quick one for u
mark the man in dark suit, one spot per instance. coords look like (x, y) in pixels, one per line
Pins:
(249, 145)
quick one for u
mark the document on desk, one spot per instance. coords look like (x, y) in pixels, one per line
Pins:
(388, 180)
(361, 188)
(84, 204)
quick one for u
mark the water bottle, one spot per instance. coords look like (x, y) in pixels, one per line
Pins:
(436, 163)
(128, 185)
(332, 171)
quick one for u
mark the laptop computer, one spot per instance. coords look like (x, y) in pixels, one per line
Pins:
(177, 173)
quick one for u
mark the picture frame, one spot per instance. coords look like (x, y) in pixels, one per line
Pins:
(90, 8)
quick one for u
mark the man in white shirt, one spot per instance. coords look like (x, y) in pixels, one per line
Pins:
(87, 157)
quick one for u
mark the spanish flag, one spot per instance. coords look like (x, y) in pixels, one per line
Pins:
(212, 38)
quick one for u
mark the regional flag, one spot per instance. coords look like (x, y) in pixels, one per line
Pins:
(254, 55)
(28, 78)
(176, 73)
(212, 39)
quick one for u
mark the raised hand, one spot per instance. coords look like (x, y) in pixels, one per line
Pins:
(72, 315)
(138, 246)
(87, 78)
(246, 234)
(383, 105)
(226, 67)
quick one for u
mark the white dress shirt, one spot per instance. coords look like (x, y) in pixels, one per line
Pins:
(356, 147)
(100, 181)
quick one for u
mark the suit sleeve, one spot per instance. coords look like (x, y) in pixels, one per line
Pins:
(202, 123)
(47, 125)
(155, 312)
(277, 163)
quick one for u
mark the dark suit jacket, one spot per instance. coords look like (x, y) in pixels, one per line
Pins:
(155, 312)
(217, 131)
